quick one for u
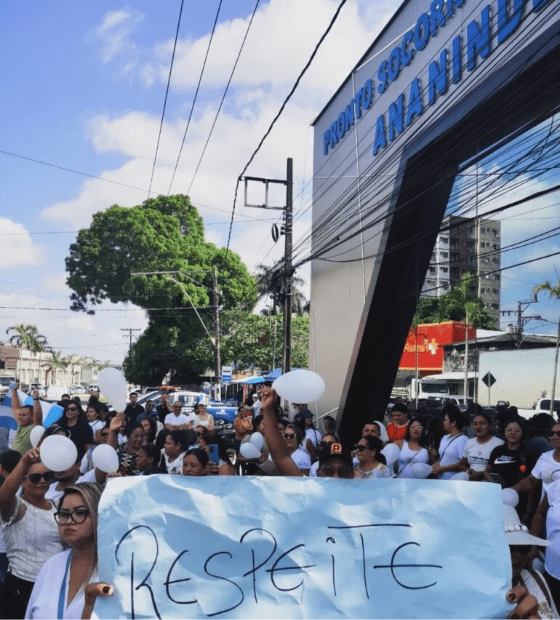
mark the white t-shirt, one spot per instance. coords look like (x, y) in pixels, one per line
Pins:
(477, 454)
(451, 451)
(552, 554)
(301, 459)
(545, 466)
(176, 420)
(176, 465)
(408, 458)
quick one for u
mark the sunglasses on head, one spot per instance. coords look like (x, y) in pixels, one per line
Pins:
(48, 476)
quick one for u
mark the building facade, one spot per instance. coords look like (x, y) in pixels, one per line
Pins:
(467, 245)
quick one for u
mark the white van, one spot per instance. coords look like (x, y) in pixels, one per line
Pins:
(55, 392)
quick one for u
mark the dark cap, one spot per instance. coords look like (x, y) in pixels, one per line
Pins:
(305, 413)
(335, 450)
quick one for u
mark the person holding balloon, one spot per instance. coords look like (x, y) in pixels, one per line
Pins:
(30, 531)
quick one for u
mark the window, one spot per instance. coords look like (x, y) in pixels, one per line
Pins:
(495, 291)
(444, 269)
(444, 240)
(483, 231)
(432, 269)
(444, 254)
(496, 233)
(496, 276)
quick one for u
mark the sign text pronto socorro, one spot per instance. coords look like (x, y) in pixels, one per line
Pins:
(481, 36)
(222, 547)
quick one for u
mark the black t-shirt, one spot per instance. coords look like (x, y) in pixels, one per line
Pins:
(507, 463)
(81, 434)
(162, 412)
(133, 412)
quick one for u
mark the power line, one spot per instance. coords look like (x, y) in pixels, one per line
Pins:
(223, 97)
(166, 93)
(284, 103)
(195, 95)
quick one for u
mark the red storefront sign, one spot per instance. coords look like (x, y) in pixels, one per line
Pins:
(429, 339)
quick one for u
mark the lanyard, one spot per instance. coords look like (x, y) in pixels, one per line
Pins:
(62, 594)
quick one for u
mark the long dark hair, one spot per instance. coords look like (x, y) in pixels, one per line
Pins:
(81, 414)
(374, 443)
(422, 439)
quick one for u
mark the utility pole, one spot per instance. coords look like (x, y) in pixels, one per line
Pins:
(130, 330)
(288, 213)
(286, 229)
(217, 356)
(521, 320)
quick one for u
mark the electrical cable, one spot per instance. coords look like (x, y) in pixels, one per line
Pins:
(195, 95)
(165, 99)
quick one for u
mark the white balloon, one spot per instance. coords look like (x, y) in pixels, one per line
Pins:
(510, 497)
(462, 475)
(105, 458)
(391, 452)
(58, 453)
(113, 385)
(421, 470)
(249, 450)
(257, 440)
(119, 405)
(300, 386)
(35, 435)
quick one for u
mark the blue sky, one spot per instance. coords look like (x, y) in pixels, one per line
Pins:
(83, 85)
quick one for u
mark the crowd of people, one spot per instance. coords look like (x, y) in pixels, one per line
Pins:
(49, 518)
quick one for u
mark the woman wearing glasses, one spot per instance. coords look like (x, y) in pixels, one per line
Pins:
(60, 586)
(74, 420)
(293, 437)
(371, 463)
(30, 531)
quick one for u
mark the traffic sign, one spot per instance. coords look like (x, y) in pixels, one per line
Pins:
(489, 379)
(226, 374)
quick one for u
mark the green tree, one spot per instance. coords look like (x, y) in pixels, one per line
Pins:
(270, 283)
(161, 234)
(553, 293)
(248, 341)
(454, 306)
(27, 337)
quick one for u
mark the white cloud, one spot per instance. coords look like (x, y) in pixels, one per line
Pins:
(114, 31)
(17, 248)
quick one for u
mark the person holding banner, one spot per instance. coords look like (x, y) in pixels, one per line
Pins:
(30, 530)
(59, 591)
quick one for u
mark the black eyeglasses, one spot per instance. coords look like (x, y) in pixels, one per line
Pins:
(48, 476)
(343, 472)
(289, 436)
(554, 434)
(324, 444)
(72, 409)
(77, 516)
(360, 447)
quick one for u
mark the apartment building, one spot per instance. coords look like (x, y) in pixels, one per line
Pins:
(467, 245)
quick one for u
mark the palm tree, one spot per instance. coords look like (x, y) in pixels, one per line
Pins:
(27, 337)
(553, 293)
(270, 282)
(57, 361)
